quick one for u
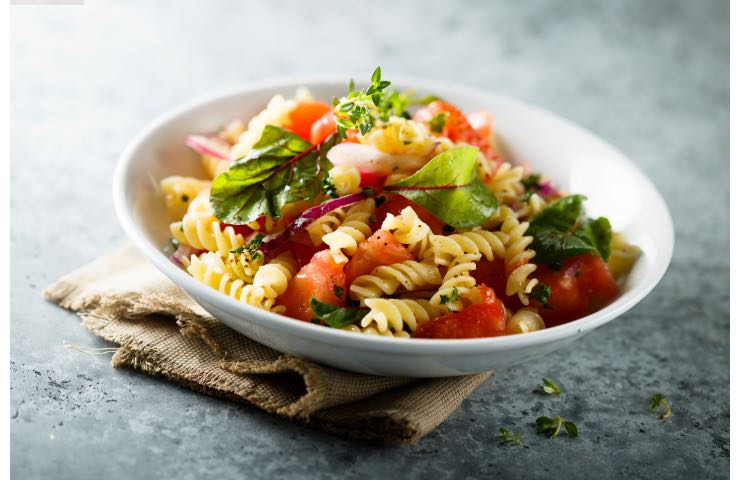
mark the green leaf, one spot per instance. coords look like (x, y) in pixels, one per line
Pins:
(438, 122)
(571, 428)
(541, 293)
(281, 168)
(336, 316)
(550, 387)
(376, 76)
(562, 231)
(658, 400)
(508, 438)
(448, 187)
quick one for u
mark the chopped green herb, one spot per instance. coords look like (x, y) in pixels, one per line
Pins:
(562, 230)
(532, 182)
(336, 316)
(252, 247)
(174, 243)
(551, 426)
(438, 122)
(361, 109)
(338, 291)
(658, 401)
(455, 295)
(444, 299)
(550, 387)
(329, 188)
(508, 438)
(541, 293)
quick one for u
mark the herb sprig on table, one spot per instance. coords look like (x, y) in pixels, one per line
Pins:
(658, 401)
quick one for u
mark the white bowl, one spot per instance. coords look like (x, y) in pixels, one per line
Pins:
(576, 160)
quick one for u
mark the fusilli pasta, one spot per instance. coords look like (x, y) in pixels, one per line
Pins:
(202, 231)
(354, 229)
(524, 320)
(391, 314)
(387, 279)
(457, 282)
(179, 192)
(408, 229)
(518, 255)
(623, 256)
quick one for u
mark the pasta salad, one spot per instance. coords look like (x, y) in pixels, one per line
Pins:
(385, 213)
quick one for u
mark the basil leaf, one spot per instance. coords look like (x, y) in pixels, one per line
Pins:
(281, 168)
(599, 232)
(562, 231)
(449, 188)
(336, 316)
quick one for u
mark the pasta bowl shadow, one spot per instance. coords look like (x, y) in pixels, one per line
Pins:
(575, 159)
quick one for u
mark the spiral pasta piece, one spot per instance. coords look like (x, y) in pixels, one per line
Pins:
(374, 331)
(489, 244)
(518, 255)
(201, 203)
(325, 224)
(623, 256)
(457, 282)
(532, 207)
(506, 183)
(346, 179)
(355, 228)
(400, 136)
(202, 231)
(387, 279)
(391, 314)
(273, 277)
(179, 192)
(243, 265)
(524, 320)
(410, 230)
(209, 269)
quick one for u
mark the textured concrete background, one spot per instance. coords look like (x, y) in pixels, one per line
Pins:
(650, 77)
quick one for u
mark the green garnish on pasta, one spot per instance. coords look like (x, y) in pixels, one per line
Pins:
(562, 231)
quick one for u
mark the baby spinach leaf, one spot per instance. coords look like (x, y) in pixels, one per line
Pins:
(448, 186)
(562, 231)
(282, 168)
(336, 316)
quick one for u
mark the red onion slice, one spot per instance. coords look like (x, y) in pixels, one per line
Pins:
(212, 146)
(313, 213)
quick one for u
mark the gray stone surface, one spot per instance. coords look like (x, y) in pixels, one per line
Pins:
(650, 77)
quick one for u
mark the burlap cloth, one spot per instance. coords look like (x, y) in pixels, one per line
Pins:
(161, 331)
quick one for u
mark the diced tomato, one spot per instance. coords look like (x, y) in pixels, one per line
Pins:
(371, 179)
(457, 127)
(321, 278)
(303, 248)
(381, 248)
(395, 203)
(486, 319)
(323, 127)
(581, 286)
(495, 274)
(304, 115)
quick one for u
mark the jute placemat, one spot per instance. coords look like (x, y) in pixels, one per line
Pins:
(161, 331)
